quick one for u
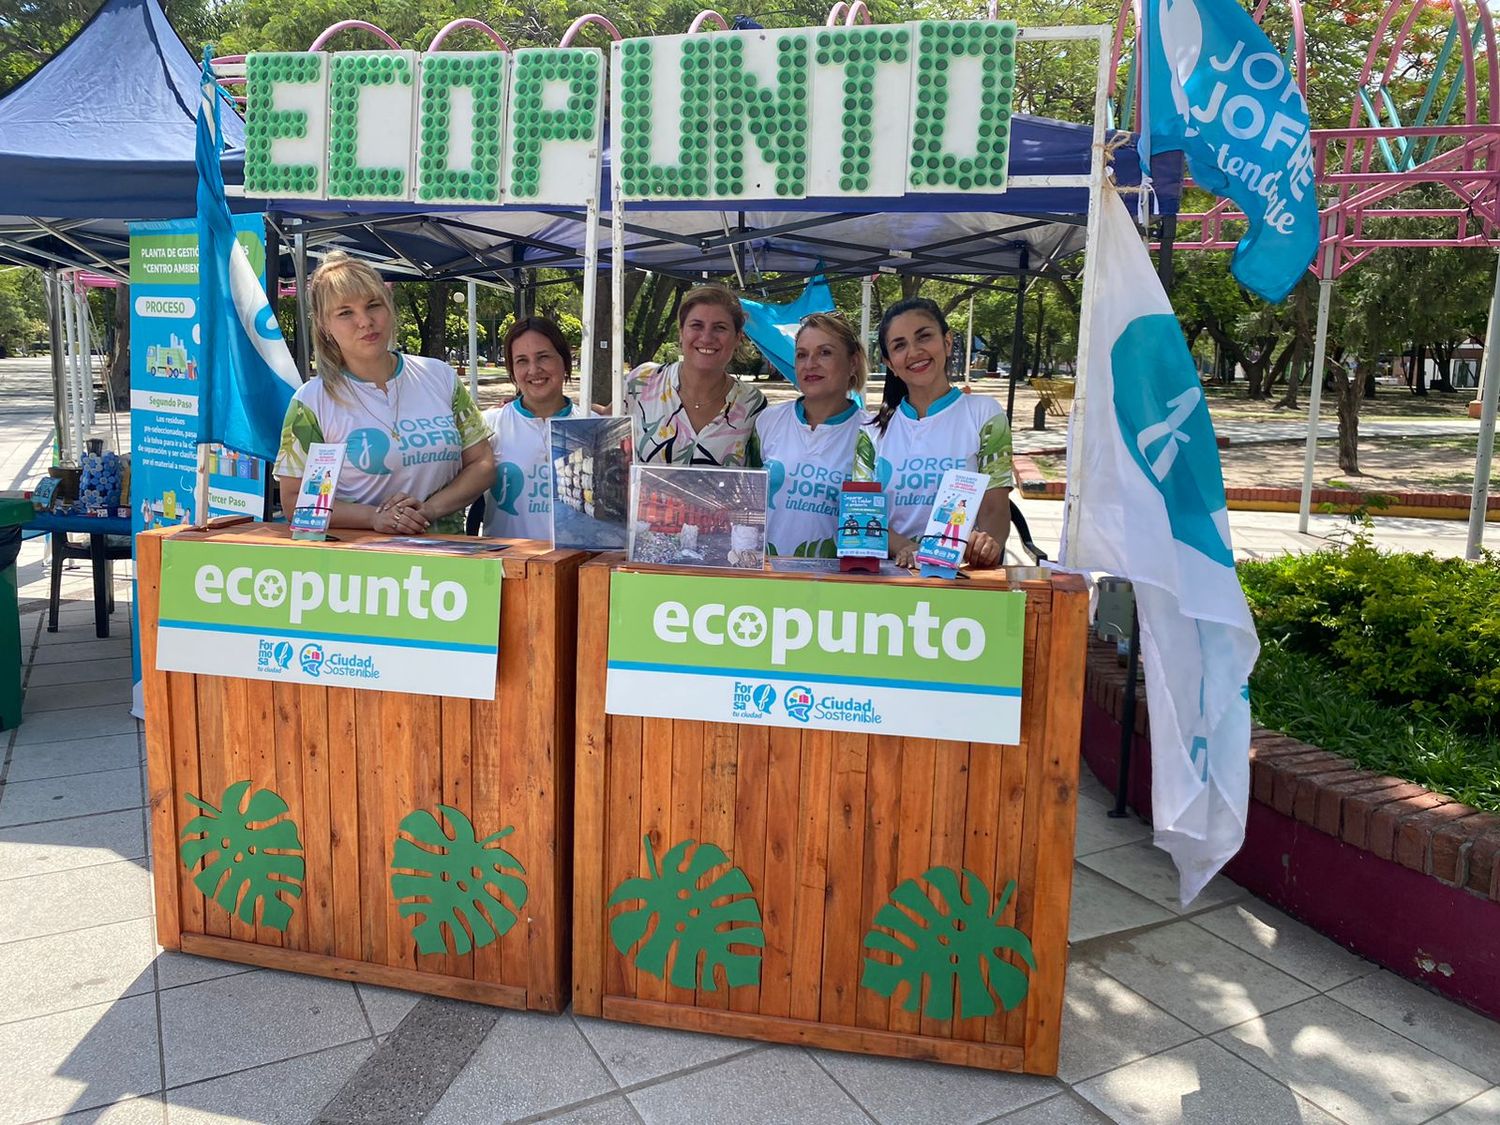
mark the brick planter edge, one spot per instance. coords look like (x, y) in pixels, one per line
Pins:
(1407, 878)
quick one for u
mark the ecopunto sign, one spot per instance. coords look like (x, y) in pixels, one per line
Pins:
(883, 659)
(423, 624)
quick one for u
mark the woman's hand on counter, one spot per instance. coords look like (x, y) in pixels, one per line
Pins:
(401, 514)
(984, 549)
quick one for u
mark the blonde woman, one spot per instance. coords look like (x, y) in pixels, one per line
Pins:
(807, 446)
(417, 450)
(694, 412)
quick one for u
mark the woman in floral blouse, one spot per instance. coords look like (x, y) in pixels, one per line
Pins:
(694, 412)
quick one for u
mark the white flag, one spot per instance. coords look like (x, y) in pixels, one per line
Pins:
(1151, 509)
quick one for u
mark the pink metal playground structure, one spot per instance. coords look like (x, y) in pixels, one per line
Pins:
(1423, 143)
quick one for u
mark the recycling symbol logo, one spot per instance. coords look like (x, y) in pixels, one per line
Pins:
(270, 589)
(746, 626)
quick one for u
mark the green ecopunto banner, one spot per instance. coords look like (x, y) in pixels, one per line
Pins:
(916, 661)
(424, 624)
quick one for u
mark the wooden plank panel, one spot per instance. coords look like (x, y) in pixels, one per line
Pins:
(194, 908)
(752, 751)
(843, 923)
(812, 872)
(309, 708)
(424, 734)
(720, 765)
(656, 819)
(284, 739)
(161, 789)
(345, 796)
(374, 879)
(1057, 779)
(779, 899)
(453, 785)
(1019, 848)
(484, 807)
(398, 797)
(949, 807)
(882, 855)
(338, 968)
(914, 853)
(687, 814)
(808, 1034)
(980, 831)
(606, 812)
(621, 854)
(514, 768)
(562, 612)
(544, 755)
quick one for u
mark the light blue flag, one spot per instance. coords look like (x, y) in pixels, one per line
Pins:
(773, 328)
(1215, 88)
(246, 375)
(1152, 509)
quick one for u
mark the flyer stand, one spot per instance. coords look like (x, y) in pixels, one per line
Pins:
(394, 799)
(805, 842)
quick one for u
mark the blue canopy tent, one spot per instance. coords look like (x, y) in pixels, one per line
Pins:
(103, 134)
(1018, 232)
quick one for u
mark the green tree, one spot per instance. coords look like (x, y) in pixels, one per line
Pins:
(23, 311)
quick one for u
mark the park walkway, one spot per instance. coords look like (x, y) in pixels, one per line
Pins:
(1224, 1012)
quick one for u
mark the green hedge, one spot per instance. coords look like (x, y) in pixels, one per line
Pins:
(1404, 629)
(1304, 697)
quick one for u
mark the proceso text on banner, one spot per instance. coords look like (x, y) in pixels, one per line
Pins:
(423, 624)
(903, 660)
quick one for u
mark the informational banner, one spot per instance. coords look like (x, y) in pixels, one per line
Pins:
(164, 376)
(916, 661)
(377, 620)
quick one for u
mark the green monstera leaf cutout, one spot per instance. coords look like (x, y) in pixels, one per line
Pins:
(959, 938)
(250, 854)
(702, 923)
(459, 883)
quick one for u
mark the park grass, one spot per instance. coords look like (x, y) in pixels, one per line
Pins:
(1306, 698)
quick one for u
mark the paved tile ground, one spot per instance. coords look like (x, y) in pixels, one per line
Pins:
(1223, 1012)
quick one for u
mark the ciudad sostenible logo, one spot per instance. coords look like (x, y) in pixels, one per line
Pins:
(315, 659)
(801, 703)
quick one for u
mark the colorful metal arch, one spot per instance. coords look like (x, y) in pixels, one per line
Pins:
(583, 21)
(459, 24)
(352, 25)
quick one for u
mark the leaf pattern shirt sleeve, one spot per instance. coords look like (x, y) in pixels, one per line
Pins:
(994, 456)
(467, 418)
(299, 431)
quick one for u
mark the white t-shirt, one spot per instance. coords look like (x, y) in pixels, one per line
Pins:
(409, 438)
(519, 505)
(959, 432)
(806, 467)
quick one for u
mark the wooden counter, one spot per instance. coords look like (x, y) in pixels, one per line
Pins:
(352, 766)
(824, 826)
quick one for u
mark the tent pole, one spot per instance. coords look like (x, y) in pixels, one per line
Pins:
(617, 297)
(299, 267)
(70, 329)
(59, 385)
(1088, 298)
(587, 345)
(1314, 401)
(1489, 393)
(866, 294)
(969, 343)
(1017, 345)
(473, 301)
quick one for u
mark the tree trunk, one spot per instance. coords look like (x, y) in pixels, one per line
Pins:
(911, 285)
(119, 355)
(1443, 353)
(1419, 371)
(1350, 395)
(1293, 374)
